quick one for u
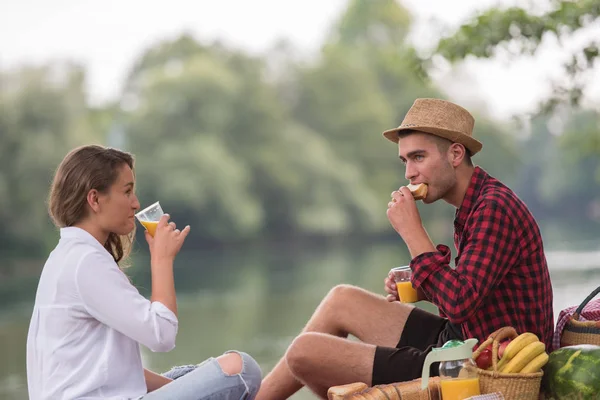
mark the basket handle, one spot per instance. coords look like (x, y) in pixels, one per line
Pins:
(495, 338)
(584, 303)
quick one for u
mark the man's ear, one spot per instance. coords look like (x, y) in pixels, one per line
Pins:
(456, 154)
(93, 200)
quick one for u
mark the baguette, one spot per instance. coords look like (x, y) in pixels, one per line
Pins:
(419, 191)
(391, 392)
(340, 392)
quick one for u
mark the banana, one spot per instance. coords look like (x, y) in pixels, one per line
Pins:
(503, 361)
(523, 357)
(536, 364)
(517, 344)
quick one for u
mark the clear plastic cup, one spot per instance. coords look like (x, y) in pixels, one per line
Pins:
(150, 216)
(406, 292)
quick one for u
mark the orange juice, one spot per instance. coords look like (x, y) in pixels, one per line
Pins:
(459, 389)
(406, 292)
(150, 226)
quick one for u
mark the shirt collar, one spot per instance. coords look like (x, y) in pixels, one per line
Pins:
(477, 179)
(73, 232)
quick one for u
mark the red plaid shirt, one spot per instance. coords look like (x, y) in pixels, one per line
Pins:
(501, 276)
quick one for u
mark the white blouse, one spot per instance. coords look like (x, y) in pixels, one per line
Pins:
(88, 321)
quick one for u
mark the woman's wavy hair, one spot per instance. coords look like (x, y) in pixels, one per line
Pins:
(83, 169)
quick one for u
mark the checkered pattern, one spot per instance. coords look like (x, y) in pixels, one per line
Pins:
(501, 277)
(489, 396)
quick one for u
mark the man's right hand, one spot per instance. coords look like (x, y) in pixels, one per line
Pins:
(390, 288)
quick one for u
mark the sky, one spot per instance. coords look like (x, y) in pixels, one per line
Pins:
(105, 36)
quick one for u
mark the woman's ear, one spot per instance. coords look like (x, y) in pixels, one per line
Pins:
(93, 200)
(456, 154)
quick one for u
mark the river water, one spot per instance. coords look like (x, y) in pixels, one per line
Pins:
(258, 300)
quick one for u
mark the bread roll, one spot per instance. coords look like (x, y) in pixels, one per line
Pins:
(372, 394)
(419, 191)
(391, 392)
(339, 392)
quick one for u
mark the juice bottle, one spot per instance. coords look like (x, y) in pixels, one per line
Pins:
(458, 373)
(459, 389)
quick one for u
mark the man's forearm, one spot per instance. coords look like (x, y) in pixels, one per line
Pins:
(418, 243)
(154, 380)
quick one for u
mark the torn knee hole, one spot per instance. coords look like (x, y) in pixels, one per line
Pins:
(231, 363)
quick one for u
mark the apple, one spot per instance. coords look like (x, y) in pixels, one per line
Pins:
(502, 347)
(484, 361)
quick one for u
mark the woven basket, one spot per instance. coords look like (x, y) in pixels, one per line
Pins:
(581, 332)
(512, 386)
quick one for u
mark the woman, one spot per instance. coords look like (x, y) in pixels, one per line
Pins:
(88, 320)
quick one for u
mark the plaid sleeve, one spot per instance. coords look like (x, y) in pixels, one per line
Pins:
(489, 251)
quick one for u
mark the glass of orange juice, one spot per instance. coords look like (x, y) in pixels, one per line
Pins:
(406, 292)
(150, 216)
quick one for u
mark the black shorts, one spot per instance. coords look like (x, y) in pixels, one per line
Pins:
(422, 332)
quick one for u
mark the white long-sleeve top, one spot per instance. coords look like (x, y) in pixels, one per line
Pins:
(88, 321)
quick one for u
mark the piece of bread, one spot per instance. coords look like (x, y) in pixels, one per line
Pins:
(373, 394)
(390, 391)
(380, 393)
(341, 391)
(419, 191)
(356, 396)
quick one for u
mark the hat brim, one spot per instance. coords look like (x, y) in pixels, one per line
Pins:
(473, 145)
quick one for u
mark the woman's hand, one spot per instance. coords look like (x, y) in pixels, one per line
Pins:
(167, 240)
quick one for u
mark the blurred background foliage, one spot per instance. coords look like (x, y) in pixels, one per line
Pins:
(279, 147)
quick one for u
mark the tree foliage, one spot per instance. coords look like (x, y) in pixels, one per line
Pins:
(247, 148)
(520, 31)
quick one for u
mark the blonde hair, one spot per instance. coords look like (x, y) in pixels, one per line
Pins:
(83, 169)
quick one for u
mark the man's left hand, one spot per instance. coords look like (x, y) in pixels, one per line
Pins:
(403, 214)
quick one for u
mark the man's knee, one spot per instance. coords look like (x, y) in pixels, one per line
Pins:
(300, 357)
(343, 294)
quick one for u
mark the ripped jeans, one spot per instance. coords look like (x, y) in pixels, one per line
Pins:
(207, 381)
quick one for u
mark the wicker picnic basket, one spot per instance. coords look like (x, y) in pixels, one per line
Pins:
(581, 332)
(512, 386)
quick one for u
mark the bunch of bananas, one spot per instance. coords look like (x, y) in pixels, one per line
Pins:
(524, 355)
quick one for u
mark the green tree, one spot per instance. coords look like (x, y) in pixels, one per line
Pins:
(212, 137)
(43, 114)
(364, 83)
(519, 31)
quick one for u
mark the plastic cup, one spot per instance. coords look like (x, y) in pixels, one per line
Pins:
(150, 216)
(406, 292)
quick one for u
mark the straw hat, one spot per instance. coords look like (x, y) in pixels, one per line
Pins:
(440, 118)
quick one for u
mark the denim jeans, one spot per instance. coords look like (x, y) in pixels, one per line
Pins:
(207, 381)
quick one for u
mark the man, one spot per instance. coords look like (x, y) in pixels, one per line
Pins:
(500, 276)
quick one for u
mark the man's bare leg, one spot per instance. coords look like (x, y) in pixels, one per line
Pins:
(345, 310)
(319, 360)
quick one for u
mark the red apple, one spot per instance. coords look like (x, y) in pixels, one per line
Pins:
(502, 347)
(484, 361)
